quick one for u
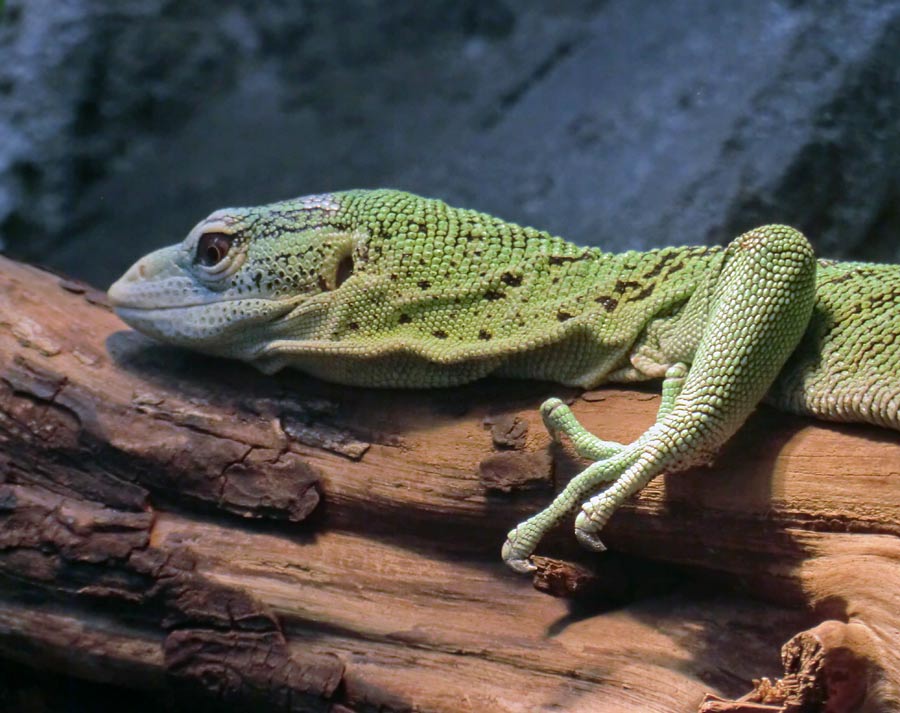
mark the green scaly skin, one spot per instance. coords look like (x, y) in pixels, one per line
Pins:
(383, 288)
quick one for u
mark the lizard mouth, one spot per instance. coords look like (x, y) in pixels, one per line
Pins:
(123, 306)
(211, 326)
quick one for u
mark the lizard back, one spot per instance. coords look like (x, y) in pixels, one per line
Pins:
(847, 366)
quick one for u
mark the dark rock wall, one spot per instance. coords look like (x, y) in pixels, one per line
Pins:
(621, 124)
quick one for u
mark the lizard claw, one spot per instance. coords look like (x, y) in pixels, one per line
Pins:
(586, 533)
(522, 565)
(516, 556)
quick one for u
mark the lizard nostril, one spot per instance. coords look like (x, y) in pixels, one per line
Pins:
(142, 270)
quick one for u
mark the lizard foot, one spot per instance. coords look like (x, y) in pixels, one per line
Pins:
(628, 467)
(523, 538)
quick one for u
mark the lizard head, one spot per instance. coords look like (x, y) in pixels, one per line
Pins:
(237, 274)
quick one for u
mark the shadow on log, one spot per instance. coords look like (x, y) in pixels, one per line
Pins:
(174, 522)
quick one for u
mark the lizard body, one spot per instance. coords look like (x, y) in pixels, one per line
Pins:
(383, 288)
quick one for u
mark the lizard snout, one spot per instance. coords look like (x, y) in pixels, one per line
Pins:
(133, 288)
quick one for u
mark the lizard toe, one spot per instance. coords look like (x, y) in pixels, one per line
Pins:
(551, 410)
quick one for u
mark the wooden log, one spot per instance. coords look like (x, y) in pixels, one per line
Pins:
(181, 522)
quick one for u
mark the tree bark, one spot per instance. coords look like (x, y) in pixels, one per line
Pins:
(177, 522)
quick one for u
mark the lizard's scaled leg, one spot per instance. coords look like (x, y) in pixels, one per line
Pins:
(558, 418)
(760, 303)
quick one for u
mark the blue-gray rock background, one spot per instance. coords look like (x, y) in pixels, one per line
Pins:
(624, 124)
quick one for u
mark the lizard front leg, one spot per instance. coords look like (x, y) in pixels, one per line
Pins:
(760, 305)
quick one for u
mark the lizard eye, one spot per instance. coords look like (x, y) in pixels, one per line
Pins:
(212, 248)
